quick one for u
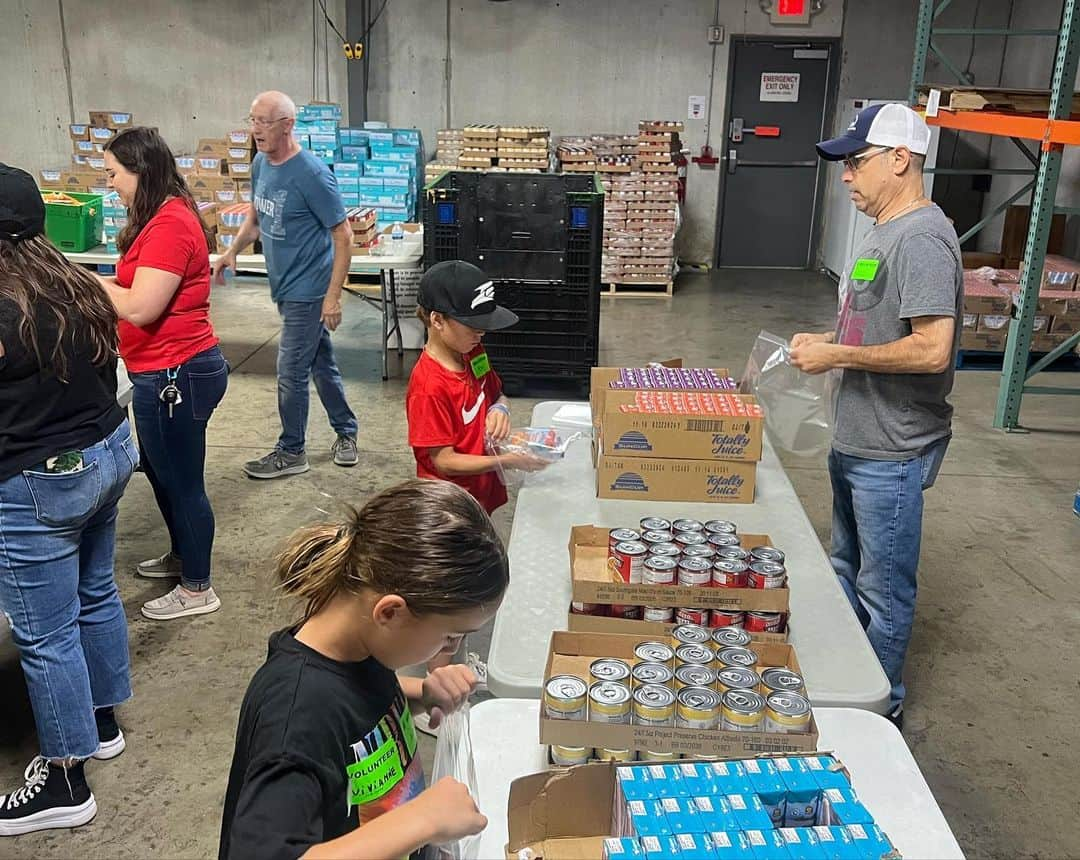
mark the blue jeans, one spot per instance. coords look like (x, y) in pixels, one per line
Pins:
(174, 454)
(876, 536)
(305, 351)
(57, 538)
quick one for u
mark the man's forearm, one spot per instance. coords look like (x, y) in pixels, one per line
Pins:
(911, 354)
(248, 233)
(342, 261)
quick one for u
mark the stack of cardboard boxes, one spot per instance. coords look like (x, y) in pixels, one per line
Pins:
(507, 148)
(524, 147)
(86, 172)
(363, 221)
(219, 169)
(674, 434)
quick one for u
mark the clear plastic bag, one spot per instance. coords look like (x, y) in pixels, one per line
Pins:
(454, 758)
(799, 407)
(545, 443)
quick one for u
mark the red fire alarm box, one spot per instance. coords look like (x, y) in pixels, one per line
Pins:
(790, 12)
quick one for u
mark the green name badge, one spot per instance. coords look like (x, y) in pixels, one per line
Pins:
(865, 269)
(377, 774)
(481, 365)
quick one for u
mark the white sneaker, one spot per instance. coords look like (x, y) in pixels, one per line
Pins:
(177, 604)
(163, 567)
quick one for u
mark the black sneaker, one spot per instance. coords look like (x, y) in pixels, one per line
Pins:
(897, 717)
(110, 739)
(52, 797)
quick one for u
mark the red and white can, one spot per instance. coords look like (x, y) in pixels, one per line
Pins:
(727, 618)
(669, 549)
(618, 536)
(720, 527)
(655, 536)
(733, 552)
(629, 613)
(649, 524)
(729, 573)
(717, 540)
(685, 539)
(765, 622)
(664, 614)
(699, 551)
(687, 525)
(766, 574)
(767, 553)
(690, 615)
(627, 559)
(660, 570)
(577, 608)
(695, 572)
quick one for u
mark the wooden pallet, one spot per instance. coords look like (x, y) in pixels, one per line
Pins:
(640, 290)
(993, 99)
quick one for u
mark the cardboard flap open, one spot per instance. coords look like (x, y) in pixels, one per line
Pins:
(560, 804)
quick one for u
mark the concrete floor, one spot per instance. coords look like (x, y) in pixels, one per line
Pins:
(993, 692)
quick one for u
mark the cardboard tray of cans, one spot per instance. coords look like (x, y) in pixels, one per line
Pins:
(578, 623)
(594, 581)
(572, 653)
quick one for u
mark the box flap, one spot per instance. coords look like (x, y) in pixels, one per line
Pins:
(560, 804)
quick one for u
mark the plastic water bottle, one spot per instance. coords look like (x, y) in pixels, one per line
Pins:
(1076, 502)
(397, 237)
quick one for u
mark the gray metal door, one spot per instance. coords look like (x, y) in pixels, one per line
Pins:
(776, 114)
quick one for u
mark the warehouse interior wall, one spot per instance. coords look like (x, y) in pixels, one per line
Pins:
(575, 66)
(190, 68)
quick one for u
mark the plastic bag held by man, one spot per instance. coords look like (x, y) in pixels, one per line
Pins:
(798, 406)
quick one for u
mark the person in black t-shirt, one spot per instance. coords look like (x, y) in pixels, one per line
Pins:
(326, 763)
(66, 455)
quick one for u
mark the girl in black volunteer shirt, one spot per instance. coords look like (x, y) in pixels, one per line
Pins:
(326, 763)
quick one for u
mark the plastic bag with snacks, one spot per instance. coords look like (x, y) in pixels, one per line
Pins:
(528, 449)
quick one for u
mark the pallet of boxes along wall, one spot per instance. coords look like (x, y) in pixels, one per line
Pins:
(799, 805)
(675, 434)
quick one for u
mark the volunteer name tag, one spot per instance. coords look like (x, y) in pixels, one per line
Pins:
(865, 269)
(481, 365)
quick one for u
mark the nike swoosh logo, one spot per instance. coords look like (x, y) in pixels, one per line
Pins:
(468, 415)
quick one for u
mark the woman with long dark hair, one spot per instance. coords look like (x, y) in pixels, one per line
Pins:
(162, 295)
(66, 455)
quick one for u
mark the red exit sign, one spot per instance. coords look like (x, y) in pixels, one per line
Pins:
(790, 12)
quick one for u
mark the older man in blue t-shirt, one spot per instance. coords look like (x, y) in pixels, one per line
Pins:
(307, 241)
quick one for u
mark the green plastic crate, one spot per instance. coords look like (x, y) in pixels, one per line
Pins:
(74, 228)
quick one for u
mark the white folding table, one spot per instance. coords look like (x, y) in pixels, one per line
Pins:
(840, 668)
(883, 773)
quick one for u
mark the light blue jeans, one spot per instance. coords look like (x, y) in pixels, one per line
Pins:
(304, 352)
(57, 537)
(876, 537)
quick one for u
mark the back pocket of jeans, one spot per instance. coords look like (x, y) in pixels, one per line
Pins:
(67, 498)
(206, 391)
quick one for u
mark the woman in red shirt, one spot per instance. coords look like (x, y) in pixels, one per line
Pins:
(162, 295)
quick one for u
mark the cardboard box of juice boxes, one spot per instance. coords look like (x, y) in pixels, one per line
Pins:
(800, 805)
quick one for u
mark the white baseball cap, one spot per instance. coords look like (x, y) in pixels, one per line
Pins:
(889, 125)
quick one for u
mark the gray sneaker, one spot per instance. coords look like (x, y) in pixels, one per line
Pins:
(344, 450)
(277, 464)
(163, 567)
(177, 604)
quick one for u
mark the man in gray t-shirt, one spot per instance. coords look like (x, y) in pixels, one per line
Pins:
(894, 345)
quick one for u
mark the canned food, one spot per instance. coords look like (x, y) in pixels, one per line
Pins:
(651, 673)
(695, 572)
(787, 713)
(766, 574)
(781, 680)
(659, 614)
(609, 702)
(609, 669)
(629, 613)
(699, 550)
(743, 711)
(692, 675)
(616, 755)
(690, 634)
(698, 708)
(765, 622)
(732, 552)
(737, 657)
(587, 608)
(569, 756)
(660, 570)
(686, 525)
(654, 706)
(671, 550)
(564, 698)
(685, 539)
(737, 678)
(726, 618)
(618, 536)
(656, 536)
(654, 652)
(696, 655)
(767, 553)
(627, 559)
(730, 637)
(721, 527)
(652, 524)
(648, 755)
(723, 541)
(729, 573)
(692, 615)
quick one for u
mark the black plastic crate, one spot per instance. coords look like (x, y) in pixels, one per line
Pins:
(563, 382)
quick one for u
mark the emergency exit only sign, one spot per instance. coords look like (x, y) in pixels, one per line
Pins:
(779, 87)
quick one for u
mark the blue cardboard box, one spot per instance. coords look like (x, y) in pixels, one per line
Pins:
(323, 141)
(380, 138)
(749, 812)
(801, 843)
(868, 840)
(841, 806)
(767, 844)
(624, 848)
(715, 814)
(698, 779)
(313, 112)
(348, 199)
(634, 783)
(404, 182)
(379, 167)
(729, 777)
(375, 124)
(346, 168)
(767, 783)
(682, 815)
(835, 843)
(803, 792)
(825, 773)
(647, 819)
(407, 137)
(354, 153)
(730, 845)
(659, 848)
(669, 780)
(693, 846)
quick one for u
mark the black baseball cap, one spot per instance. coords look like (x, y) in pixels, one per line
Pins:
(463, 292)
(22, 210)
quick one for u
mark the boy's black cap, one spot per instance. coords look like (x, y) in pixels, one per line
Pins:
(22, 210)
(463, 292)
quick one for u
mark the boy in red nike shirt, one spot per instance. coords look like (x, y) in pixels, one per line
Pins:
(455, 398)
